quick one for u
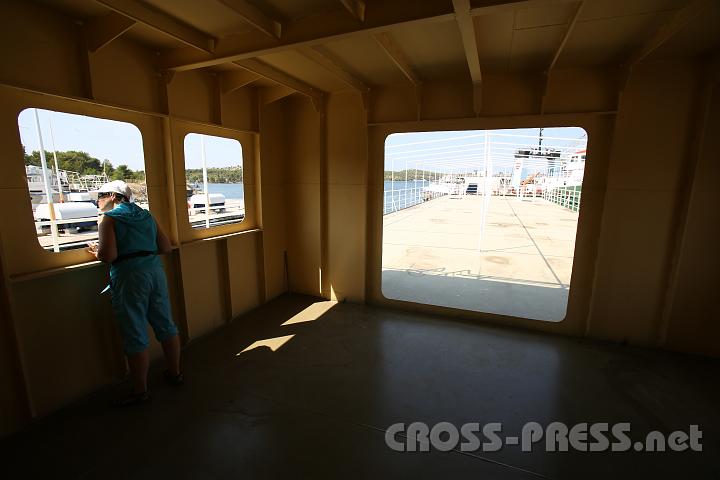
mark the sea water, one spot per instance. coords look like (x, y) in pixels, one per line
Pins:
(232, 191)
(398, 194)
(401, 194)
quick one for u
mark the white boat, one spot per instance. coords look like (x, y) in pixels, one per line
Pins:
(216, 201)
(63, 181)
(81, 197)
(75, 216)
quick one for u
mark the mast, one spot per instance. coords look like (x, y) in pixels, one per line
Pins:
(57, 169)
(46, 182)
(205, 182)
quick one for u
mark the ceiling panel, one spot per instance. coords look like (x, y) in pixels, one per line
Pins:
(224, 67)
(295, 9)
(533, 49)
(302, 68)
(610, 41)
(700, 37)
(598, 9)
(552, 14)
(607, 32)
(494, 38)
(77, 8)
(211, 17)
(434, 50)
(152, 38)
(363, 55)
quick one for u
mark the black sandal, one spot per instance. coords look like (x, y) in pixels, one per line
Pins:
(132, 400)
(174, 380)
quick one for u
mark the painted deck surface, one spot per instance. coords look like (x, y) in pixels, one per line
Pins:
(518, 264)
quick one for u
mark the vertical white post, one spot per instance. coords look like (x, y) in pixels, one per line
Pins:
(46, 182)
(392, 184)
(414, 197)
(205, 181)
(486, 189)
(406, 184)
(57, 169)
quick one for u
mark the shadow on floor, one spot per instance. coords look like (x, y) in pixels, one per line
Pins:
(466, 291)
(318, 405)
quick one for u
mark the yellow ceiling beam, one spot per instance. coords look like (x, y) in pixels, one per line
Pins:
(568, 32)
(328, 27)
(100, 31)
(558, 51)
(253, 15)
(492, 7)
(356, 8)
(681, 18)
(332, 65)
(391, 48)
(310, 31)
(281, 78)
(146, 15)
(273, 94)
(231, 81)
(467, 33)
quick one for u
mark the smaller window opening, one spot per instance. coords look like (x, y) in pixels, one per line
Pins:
(214, 180)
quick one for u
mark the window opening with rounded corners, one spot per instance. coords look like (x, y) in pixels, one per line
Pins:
(214, 180)
(483, 220)
(67, 158)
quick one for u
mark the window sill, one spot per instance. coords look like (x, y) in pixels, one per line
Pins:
(23, 277)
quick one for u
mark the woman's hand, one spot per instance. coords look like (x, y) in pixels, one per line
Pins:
(93, 249)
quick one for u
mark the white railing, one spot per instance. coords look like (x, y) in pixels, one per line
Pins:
(48, 223)
(57, 240)
(219, 215)
(400, 199)
(565, 197)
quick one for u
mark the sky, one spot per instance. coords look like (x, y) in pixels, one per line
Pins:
(119, 142)
(464, 150)
(219, 152)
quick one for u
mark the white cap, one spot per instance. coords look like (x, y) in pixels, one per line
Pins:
(116, 186)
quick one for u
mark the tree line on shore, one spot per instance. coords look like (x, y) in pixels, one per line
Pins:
(550, 154)
(85, 164)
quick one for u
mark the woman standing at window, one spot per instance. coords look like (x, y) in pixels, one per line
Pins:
(130, 241)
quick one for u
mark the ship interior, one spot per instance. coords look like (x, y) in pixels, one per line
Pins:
(298, 361)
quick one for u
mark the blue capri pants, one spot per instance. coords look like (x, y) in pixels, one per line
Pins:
(139, 297)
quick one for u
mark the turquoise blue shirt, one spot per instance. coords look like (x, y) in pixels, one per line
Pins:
(135, 231)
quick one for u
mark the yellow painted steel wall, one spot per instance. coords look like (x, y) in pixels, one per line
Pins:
(347, 196)
(646, 225)
(67, 345)
(302, 180)
(692, 309)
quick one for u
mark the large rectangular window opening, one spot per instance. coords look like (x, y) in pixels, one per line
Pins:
(214, 179)
(483, 220)
(67, 158)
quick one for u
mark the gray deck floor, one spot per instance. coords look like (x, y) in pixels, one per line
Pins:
(318, 405)
(434, 253)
